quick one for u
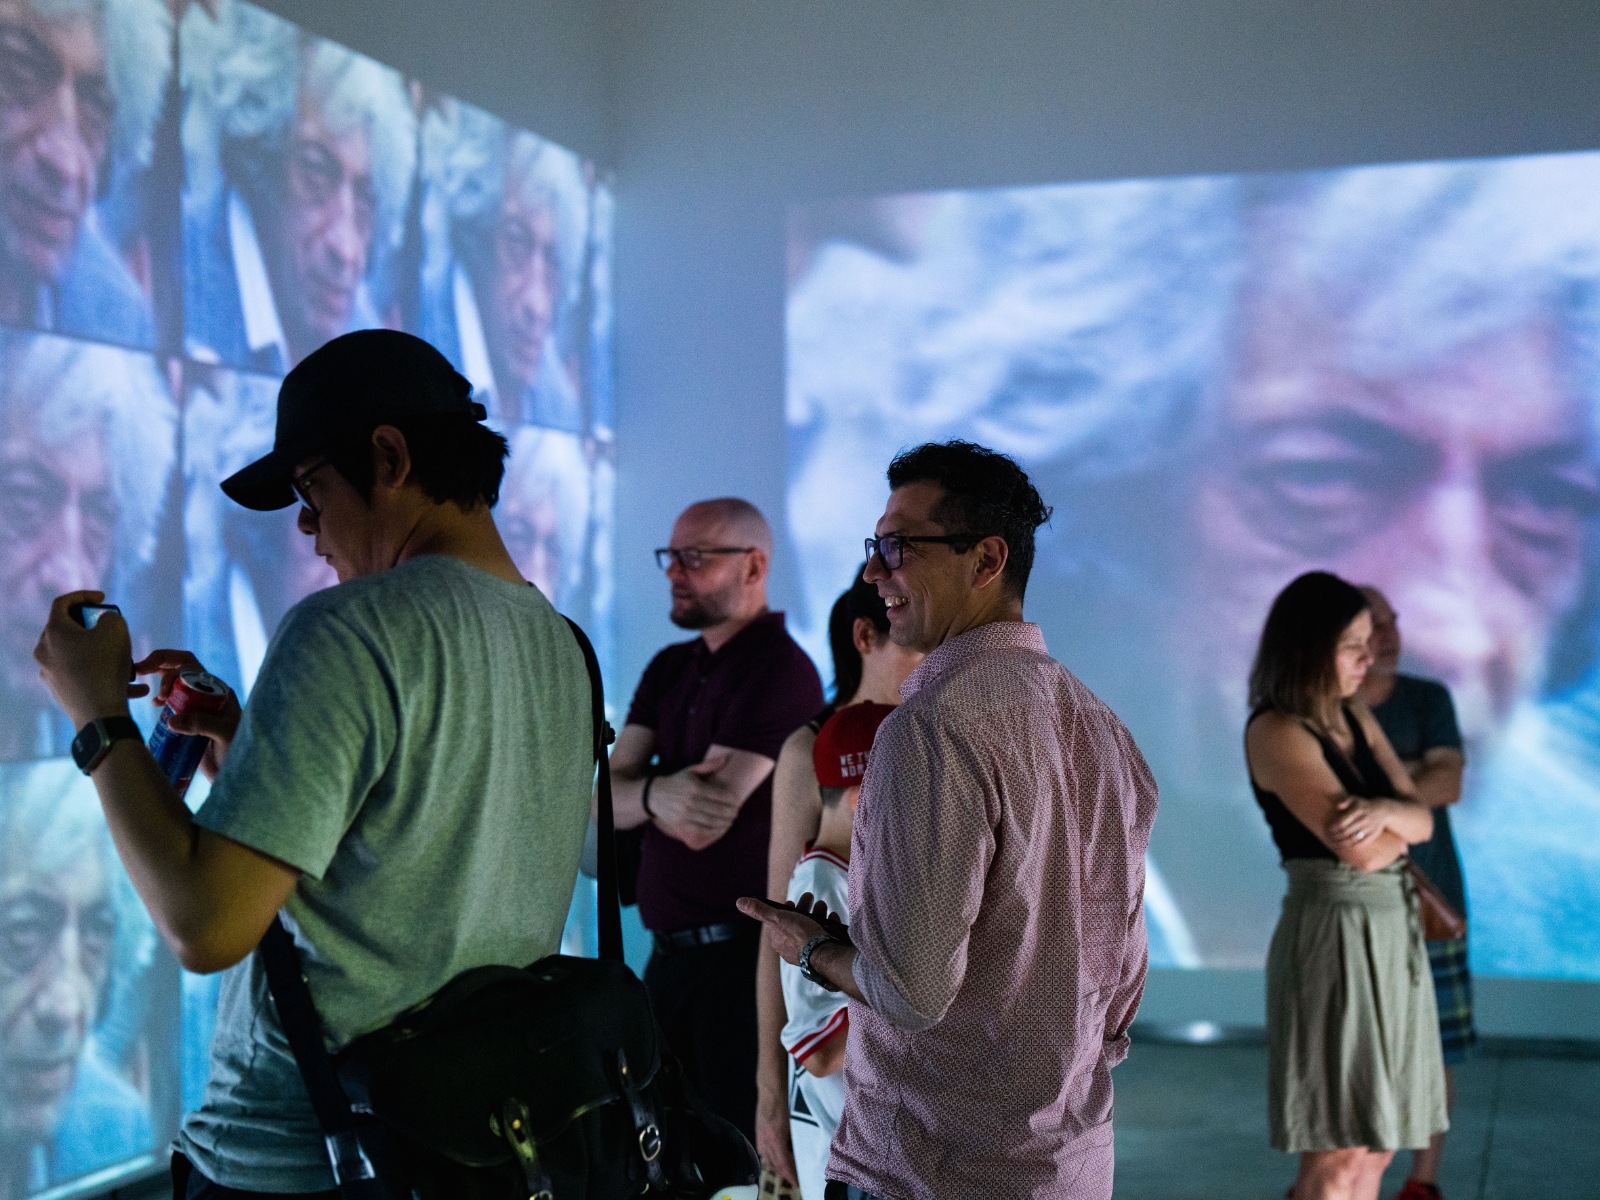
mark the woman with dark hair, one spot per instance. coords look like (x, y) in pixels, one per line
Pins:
(867, 666)
(1354, 1068)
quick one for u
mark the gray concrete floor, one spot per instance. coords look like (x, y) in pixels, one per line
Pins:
(1191, 1125)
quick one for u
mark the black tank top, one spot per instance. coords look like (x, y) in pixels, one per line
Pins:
(1359, 774)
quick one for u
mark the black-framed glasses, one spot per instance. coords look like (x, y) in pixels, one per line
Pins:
(891, 547)
(692, 558)
(299, 480)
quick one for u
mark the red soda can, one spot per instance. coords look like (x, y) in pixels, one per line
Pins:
(179, 754)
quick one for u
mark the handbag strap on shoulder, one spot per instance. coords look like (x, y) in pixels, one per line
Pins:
(303, 1028)
(610, 911)
(349, 1154)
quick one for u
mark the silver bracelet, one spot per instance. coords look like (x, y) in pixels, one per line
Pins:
(822, 981)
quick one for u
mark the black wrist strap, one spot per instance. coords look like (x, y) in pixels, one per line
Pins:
(95, 739)
(644, 796)
(119, 727)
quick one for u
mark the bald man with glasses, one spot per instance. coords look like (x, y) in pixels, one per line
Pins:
(693, 769)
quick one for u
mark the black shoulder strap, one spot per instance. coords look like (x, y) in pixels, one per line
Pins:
(303, 1027)
(358, 1166)
(609, 916)
(1358, 735)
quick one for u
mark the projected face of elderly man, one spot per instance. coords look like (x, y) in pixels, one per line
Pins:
(544, 509)
(1459, 481)
(87, 441)
(57, 520)
(328, 222)
(526, 268)
(57, 927)
(56, 110)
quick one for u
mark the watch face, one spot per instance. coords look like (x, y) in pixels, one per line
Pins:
(86, 746)
(95, 738)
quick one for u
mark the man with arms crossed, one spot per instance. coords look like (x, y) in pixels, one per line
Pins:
(693, 764)
(410, 781)
(1419, 719)
(996, 947)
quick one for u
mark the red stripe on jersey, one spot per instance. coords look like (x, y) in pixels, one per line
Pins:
(808, 1045)
(825, 856)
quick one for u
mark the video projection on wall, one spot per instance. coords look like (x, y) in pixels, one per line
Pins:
(1389, 372)
(187, 208)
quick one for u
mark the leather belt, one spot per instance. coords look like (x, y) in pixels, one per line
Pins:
(701, 935)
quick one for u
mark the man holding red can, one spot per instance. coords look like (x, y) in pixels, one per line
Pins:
(363, 791)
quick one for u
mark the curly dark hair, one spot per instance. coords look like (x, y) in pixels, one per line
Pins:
(986, 494)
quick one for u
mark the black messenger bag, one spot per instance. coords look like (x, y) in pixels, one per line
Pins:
(546, 1082)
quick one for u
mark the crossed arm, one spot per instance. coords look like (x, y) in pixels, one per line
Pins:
(1437, 776)
(696, 805)
(1366, 834)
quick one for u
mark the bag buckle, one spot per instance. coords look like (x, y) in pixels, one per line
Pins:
(650, 1141)
(349, 1157)
(514, 1121)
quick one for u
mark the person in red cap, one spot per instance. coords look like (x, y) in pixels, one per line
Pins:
(818, 1021)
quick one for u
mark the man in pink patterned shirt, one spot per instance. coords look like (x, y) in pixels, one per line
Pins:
(996, 949)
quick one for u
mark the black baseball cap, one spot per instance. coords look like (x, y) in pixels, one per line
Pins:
(362, 378)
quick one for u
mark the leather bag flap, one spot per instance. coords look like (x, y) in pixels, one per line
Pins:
(547, 1034)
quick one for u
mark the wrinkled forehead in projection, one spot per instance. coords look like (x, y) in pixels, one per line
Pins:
(135, 38)
(49, 824)
(1096, 325)
(541, 176)
(1413, 264)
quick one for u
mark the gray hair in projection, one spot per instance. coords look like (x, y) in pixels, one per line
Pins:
(59, 389)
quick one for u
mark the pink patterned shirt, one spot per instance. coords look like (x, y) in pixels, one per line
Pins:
(996, 882)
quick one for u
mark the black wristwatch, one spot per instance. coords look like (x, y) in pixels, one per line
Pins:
(94, 740)
(806, 970)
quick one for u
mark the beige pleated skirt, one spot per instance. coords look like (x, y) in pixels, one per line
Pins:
(1353, 1054)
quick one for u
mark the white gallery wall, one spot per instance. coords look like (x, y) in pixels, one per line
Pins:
(716, 115)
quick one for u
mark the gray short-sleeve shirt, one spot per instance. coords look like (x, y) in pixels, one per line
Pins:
(418, 744)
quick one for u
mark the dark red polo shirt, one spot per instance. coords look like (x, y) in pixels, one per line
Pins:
(749, 695)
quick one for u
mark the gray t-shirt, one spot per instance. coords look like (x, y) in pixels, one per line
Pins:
(419, 745)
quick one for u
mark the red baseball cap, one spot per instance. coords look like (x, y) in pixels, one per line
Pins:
(843, 742)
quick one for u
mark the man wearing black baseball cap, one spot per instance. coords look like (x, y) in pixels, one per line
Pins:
(406, 728)
(362, 378)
